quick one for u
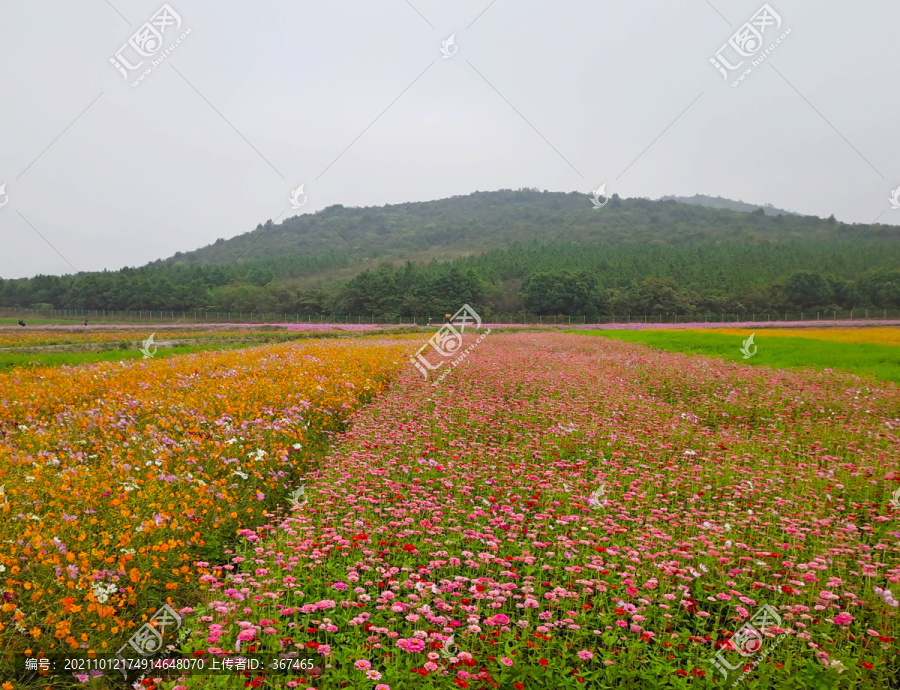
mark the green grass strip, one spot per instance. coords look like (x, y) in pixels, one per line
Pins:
(863, 359)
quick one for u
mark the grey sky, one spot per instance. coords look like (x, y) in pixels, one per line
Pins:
(561, 95)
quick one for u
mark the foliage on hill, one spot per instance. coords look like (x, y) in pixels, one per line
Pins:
(545, 252)
(488, 220)
(731, 204)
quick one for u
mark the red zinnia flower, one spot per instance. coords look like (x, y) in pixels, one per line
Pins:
(542, 662)
(679, 672)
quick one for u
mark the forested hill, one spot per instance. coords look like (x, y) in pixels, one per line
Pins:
(730, 204)
(505, 252)
(487, 220)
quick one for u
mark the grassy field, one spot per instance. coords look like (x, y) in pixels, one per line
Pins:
(779, 351)
(55, 348)
(874, 336)
(57, 359)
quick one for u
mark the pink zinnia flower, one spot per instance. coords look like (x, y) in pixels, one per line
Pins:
(585, 655)
(843, 619)
(362, 665)
(506, 661)
(411, 645)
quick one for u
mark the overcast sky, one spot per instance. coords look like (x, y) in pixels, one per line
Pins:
(355, 100)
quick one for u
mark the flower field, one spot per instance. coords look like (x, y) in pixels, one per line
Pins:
(877, 336)
(118, 478)
(575, 512)
(562, 511)
(60, 336)
(849, 350)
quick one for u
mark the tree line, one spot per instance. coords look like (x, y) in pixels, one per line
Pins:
(539, 278)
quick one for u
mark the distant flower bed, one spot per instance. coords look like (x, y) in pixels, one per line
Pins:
(751, 325)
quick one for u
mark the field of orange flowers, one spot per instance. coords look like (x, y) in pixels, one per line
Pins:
(875, 336)
(117, 478)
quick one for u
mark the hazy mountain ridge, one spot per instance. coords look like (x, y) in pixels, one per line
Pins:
(483, 221)
(505, 252)
(729, 204)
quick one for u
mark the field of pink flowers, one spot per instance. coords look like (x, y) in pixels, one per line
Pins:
(574, 512)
